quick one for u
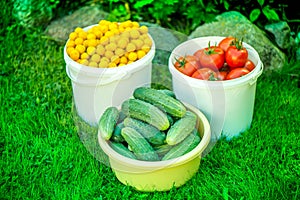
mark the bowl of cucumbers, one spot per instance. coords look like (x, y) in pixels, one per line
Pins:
(154, 141)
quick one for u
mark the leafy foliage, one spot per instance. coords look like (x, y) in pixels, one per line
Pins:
(269, 12)
(185, 16)
(194, 13)
(31, 13)
(171, 13)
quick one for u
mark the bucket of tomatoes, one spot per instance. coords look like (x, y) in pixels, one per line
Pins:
(218, 75)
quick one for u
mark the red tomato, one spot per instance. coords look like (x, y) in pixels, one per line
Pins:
(205, 74)
(193, 59)
(226, 42)
(236, 73)
(249, 65)
(187, 65)
(212, 57)
(198, 52)
(236, 56)
(221, 75)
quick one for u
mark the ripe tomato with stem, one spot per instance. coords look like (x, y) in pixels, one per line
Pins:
(236, 55)
(212, 57)
(187, 64)
(227, 42)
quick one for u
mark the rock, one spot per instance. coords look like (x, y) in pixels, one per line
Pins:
(165, 41)
(60, 29)
(282, 34)
(235, 24)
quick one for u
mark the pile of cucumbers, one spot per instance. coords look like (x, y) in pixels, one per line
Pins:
(151, 126)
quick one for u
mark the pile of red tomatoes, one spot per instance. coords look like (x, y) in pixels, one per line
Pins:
(224, 61)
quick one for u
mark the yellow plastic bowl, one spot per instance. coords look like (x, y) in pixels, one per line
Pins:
(159, 175)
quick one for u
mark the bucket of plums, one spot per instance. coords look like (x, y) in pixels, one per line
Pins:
(218, 75)
(105, 63)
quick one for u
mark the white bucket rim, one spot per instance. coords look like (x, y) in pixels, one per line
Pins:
(249, 78)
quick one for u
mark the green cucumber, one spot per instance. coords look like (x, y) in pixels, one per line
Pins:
(161, 150)
(122, 116)
(171, 120)
(146, 112)
(181, 128)
(107, 122)
(121, 149)
(168, 92)
(196, 140)
(188, 144)
(139, 145)
(171, 105)
(151, 133)
(129, 147)
(116, 136)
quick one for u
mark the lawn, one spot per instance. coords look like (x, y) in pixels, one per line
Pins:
(42, 156)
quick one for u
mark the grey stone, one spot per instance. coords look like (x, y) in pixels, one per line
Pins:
(60, 29)
(165, 41)
(235, 24)
(282, 34)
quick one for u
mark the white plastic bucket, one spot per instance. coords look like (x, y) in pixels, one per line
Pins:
(94, 89)
(229, 104)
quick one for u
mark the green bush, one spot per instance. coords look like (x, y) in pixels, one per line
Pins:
(174, 13)
(185, 16)
(32, 13)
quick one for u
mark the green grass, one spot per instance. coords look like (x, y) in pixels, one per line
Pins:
(42, 156)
